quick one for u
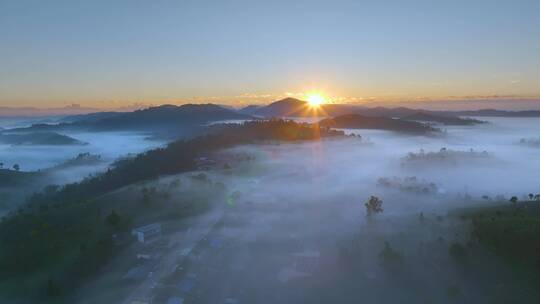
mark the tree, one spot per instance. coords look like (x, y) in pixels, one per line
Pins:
(147, 193)
(537, 197)
(389, 258)
(373, 205)
(514, 199)
(1, 165)
(458, 252)
(531, 196)
(51, 289)
(113, 219)
(16, 167)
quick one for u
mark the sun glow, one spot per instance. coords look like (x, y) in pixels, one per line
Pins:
(315, 99)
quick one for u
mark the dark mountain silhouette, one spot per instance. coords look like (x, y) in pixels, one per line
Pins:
(357, 121)
(37, 112)
(175, 121)
(92, 117)
(167, 116)
(495, 113)
(282, 108)
(442, 119)
(249, 110)
(39, 138)
(292, 107)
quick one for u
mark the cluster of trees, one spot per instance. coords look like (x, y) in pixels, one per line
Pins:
(531, 196)
(80, 159)
(15, 167)
(357, 121)
(408, 184)
(445, 154)
(513, 199)
(533, 142)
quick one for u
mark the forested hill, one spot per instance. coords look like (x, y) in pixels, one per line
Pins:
(179, 156)
(357, 121)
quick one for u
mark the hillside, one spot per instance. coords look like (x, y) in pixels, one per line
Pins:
(71, 208)
(179, 156)
(357, 121)
(10, 178)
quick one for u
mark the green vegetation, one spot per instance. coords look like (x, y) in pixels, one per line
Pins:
(512, 232)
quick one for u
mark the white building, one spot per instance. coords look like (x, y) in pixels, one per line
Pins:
(147, 234)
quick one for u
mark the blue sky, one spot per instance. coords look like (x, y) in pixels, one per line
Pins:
(99, 53)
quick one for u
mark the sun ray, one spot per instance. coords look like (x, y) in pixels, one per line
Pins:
(316, 100)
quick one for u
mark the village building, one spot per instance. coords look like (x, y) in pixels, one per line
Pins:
(147, 234)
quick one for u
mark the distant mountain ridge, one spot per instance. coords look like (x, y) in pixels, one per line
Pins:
(292, 107)
(172, 120)
(442, 119)
(496, 113)
(91, 117)
(168, 116)
(162, 119)
(357, 121)
(36, 112)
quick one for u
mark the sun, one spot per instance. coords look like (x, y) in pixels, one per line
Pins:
(315, 100)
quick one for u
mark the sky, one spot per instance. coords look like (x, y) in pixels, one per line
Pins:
(114, 53)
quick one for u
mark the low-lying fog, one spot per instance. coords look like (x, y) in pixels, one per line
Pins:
(110, 145)
(350, 169)
(509, 169)
(293, 226)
